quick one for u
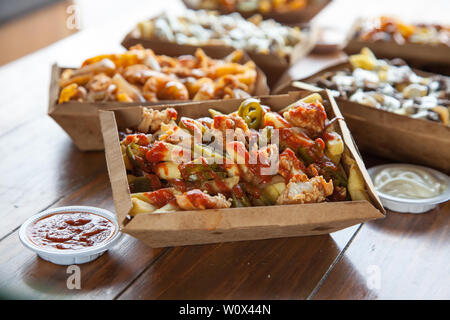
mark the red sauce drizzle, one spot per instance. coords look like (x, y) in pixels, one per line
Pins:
(156, 152)
(237, 190)
(191, 125)
(208, 186)
(327, 136)
(223, 122)
(199, 199)
(294, 139)
(254, 191)
(160, 197)
(284, 122)
(255, 168)
(320, 143)
(155, 183)
(141, 139)
(291, 157)
(172, 113)
(180, 185)
(222, 186)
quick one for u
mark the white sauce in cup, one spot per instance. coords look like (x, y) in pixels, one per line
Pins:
(408, 183)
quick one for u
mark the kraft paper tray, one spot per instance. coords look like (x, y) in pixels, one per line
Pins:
(233, 224)
(386, 134)
(272, 65)
(312, 8)
(80, 119)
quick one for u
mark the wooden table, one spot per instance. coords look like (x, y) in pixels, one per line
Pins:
(401, 257)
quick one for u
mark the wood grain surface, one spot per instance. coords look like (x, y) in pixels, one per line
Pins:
(288, 268)
(24, 275)
(402, 256)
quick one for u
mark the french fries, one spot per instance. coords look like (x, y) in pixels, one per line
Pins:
(312, 98)
(355, 183)
(273, 191)
(140, 206)
(334, 147)
(167, 170)
(365, 60)
(309, 163)
(139, 75)
(170, 207)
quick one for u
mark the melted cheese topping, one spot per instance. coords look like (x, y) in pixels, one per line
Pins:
(408, 183)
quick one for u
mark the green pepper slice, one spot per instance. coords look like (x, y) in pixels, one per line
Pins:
(235, 202)
(132, 157)
(310, 154)
(182, 125)
(336, 175)
(140, 184)
(305, 156)
(258, 197)
(251, 111)
(240, 201)
(199, 171)
(207, 175)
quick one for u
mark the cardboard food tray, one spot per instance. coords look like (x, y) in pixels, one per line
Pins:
(233, 224)
(305, 14)
(389, 135)
(80, 119)
(272, 65)
(415, 54)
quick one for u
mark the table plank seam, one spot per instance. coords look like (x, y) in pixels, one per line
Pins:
(21, 124)
(58, 199)
(162, 254)
(335, 262)
(81, 185)
(45, 208)
(191, 268)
